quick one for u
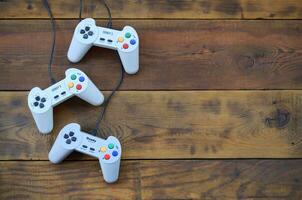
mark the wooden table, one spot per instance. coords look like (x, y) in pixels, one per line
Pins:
(215, 111)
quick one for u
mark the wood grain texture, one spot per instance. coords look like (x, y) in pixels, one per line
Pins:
(159, 9)
(174, 55)
(161, 124)
(181, 179)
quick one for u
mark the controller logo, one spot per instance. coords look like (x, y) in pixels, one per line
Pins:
(54, 89)
(90, 139)
(108, 32)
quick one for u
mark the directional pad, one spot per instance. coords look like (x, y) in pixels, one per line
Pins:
(86, 32)
(70, 137)
(39, 101)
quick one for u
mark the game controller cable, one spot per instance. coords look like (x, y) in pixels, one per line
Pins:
(53, 80)
(119, 82)
(53, 27)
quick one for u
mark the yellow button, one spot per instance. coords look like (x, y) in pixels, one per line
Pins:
(103, 149)
(120, 39)
(70, 84)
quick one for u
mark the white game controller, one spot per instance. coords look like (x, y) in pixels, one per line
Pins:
(87, 34)
(108, 151)
(76, 83)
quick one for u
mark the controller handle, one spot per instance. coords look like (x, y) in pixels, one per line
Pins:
(44, 116)
(58, 153)
(130, 60)
(91, 94)
(110, 170)
(60, 150)
(77, 49)
(44, 120)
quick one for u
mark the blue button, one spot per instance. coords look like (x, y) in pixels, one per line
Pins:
(81, 79)
(132, 41)
(114, 153)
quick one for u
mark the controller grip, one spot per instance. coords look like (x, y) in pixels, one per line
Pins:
(110, 171)
(92, 94)
(77, 50)
(57, 153)
(44, 121)
(130, 60)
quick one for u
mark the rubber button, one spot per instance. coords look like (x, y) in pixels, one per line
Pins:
(114, 153)
(125, 46)
(43, 100)
(107, 156)
(103, 149)
(66, 136)
(82, 31)
(82, 79)
(133, 42)
(41, 105)
(70, 84)
(85, 36)
(79, 87)
(73, 77)
(87, 28)
(74, 139)
(37, 98)
(68, 141)
(120, 39)
(71, 133)
(110, 146)
(128, 35)
(90, 33)
(36, 104)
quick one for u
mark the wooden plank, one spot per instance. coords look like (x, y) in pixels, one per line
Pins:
(174, 55)
(184, 9)
(162, 124)
(181, 179)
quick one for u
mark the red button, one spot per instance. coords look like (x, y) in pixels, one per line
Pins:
(125, 46)
(107, 156)
(78, 87)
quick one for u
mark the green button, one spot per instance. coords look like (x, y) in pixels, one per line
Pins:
(128, 35)
(73, 77)
(110, 146)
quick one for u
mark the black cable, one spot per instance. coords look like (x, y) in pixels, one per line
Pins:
(80, 13)
(109, 23)
(53, 27)
(106, 103)
(121, 78)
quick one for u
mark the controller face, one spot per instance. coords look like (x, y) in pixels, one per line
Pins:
(107, 151)
(76, 83)
(87, 34)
